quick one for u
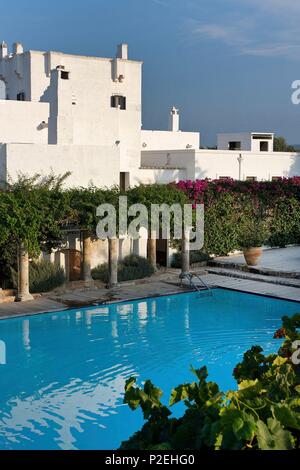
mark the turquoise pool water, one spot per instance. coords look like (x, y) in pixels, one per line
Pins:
(62, 385)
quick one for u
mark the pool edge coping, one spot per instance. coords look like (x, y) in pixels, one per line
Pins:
(155, 296)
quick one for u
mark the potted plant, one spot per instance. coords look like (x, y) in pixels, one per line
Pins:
(253, 235)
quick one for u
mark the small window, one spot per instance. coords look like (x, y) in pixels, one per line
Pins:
(21, 96)
(224, 178)
(118, 101)
(276, 178)
(251, 178)
(64, 75)
(234, 145)
(264, 146)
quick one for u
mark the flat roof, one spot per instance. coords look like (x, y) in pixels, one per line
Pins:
(78, 56)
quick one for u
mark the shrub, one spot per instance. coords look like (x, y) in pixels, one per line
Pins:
(195, 257)
(130, 268)
(264, 413)
(8, 261)
(100, 272)
(285, 222)
(253, 233)
(230, 205)
(44, 276)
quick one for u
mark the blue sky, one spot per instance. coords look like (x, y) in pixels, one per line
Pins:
(227, 65)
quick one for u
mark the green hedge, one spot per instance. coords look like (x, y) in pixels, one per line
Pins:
(195, 257)
(232, 206)
(130, 268)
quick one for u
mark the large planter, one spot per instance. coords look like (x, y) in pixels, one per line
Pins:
(252, 255)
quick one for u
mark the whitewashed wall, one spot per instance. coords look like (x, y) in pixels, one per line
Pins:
(157, 175)
(262, 165)
(247, 142)
(20, 121)
(183, 160)
(100, 165)
(243, 137)
(15, 71)
(167, 140)
(82, 103)
(217, 163)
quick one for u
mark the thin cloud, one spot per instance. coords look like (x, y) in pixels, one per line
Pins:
(271, 31)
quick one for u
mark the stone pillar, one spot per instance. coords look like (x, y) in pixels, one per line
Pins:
(152, 248)
(23, 276)
(86, 262)
(113, 262)
(185, 252)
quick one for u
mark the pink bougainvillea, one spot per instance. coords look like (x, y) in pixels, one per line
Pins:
(202, 191)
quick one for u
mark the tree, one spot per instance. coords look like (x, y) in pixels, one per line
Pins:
(33, 214)
(84, 203)
(280, 145)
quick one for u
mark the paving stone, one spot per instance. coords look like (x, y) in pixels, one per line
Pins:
(168, 284)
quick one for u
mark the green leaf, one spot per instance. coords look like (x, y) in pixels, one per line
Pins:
(273, 437)
(287, 417)
(201, 373)
(129, 383)
(178, 394)
(279, 361)
(247, 383)
(154, 393)
(244, 427)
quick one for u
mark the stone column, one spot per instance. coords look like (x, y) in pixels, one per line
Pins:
(86, 262)
(152, 248)
(23, 276)
(185, 252)
(113, 262)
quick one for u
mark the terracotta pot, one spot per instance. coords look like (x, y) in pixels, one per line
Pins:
(252, 255)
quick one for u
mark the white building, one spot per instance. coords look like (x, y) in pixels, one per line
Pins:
(82, 114)
(249, 141)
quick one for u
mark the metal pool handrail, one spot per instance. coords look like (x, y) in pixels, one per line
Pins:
(189, 276)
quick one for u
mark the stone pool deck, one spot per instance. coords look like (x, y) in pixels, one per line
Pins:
(279, 262)
(163, 283)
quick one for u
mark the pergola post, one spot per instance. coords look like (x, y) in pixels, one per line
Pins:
(152, 248)
(113, 262)
(23, 276)
(86, 262)
(185, 252)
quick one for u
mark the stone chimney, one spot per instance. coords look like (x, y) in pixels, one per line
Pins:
(17, 48)
(122, 51)
(3, 50)
(174, 120)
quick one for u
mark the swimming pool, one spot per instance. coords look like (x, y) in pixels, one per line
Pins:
(62, 385)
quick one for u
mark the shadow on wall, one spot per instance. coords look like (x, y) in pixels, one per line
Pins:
(295, 166)
(2, 89)
(200, 174)
(163, 176)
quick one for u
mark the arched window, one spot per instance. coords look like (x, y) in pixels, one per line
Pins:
(2, 90)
